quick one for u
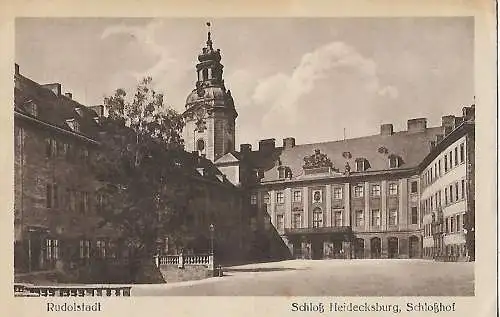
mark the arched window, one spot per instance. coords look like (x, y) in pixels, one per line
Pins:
(317, 218)
(205, 73)
(200, 145)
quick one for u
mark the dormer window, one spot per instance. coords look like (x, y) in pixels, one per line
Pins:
(73, 124)
(32, 108)
(79, 111)
(361, 164)
(394, 161)
(281, 172)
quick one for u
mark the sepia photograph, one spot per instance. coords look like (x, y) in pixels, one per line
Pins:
(211, 156)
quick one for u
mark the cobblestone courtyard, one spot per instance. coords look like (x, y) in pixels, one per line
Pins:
(330, 278)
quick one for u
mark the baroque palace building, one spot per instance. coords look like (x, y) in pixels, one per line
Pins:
(368, 197)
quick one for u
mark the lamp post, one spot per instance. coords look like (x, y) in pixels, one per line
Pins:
(212, 231)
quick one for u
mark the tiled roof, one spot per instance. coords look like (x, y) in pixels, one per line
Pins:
(51, 108)
(411, 147)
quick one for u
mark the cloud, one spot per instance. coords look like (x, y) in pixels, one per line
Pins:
(282, 92)
(166, 68)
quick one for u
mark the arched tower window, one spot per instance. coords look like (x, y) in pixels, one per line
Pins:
(205, 73)
(200, 146)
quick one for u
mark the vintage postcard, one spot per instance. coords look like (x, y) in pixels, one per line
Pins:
(305, 159)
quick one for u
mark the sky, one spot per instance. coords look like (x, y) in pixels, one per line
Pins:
(315, 79)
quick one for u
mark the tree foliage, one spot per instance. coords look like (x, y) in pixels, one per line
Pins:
(142, 169)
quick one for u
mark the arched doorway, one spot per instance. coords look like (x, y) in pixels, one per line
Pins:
(359, 248)
(413, 247)
(392, 247)
(375, 248)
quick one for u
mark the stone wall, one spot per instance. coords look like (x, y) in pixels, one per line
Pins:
(171, 273)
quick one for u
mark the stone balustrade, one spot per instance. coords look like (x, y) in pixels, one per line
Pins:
(197, 259)
(32, 290)
(168, 259)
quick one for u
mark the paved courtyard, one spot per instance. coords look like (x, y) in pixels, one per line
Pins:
(330, 278)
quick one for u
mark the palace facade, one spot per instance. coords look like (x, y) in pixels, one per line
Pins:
(366, 197)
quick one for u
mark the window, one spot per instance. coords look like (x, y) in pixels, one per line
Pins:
(317, 218)
(83, 202)
(393, 189)
(360, 165)
(48, 196)
(297, 221)
(462, 153)
(446, 225)
(52, 251)
(375, 217)
(281, 172)
(439, 198)
(451, 194)
(452, 224)
(337, 193)
(456, 156)
(101, 249)
(49, 147)
(458, 223)
(297, 196)
(338, 218)
(358, 191)
(253, 199)
(456, 192)
(451, 159)
(414, 187)
(280, 198)
(445, 163)
(432, 202)
(414, 216)
(439, 167)
(84, 249)
(393, 161)
(463, 188)
(280, 222)
(375, 190)
(359, 218)
(446, 196)
(393, 217)
(266, 198)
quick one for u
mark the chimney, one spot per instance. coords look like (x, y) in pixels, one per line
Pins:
(468, 113)
(439, 138)
(56, 88)
(386, 129)
(69, 95)
(245, 148)
(266, 145)
(288, 143)
(16, 69)
(417, 125)
(458, 121)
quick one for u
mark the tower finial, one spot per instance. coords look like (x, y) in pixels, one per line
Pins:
(209, 40)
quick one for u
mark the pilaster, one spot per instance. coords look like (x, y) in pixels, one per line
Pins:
(367, 206)
(347, 206)
(328, 205)
(305, 197)
(288, 208)
(384, 211)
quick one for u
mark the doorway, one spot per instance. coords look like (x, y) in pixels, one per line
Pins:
(317, 249)
(359, 248)
(375, 248)
(392, 247)
(413, 246)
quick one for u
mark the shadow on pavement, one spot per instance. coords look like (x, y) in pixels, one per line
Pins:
(262, 269)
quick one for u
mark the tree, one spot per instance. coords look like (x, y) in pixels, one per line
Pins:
(142, 169)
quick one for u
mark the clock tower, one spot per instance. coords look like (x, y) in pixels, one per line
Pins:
(210, 113)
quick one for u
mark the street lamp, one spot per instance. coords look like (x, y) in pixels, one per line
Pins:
(212, 230)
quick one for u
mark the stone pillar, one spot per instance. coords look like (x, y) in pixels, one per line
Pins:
(367, 248)
(346, 246)
(288, 208)
(272, 207)
(383, 208)
(305, 196)
(347, 205)
(328, 204)
(384, 245)
(367, 206)
(181, 260)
